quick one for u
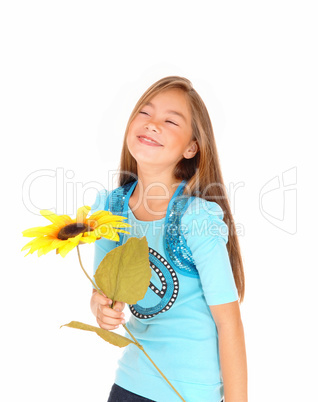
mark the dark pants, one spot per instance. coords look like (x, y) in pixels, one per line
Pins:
(119, 394)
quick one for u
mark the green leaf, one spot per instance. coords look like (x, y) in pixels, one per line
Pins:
(124, 273)
(108, 336)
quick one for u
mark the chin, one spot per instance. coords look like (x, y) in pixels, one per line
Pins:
(142, 152)
(141, 158)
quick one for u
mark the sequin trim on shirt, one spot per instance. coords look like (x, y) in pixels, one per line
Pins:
(178, 253)
(115, 203)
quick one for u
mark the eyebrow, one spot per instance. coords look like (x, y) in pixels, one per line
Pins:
(168, 111)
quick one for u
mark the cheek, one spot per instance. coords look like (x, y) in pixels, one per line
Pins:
(177, 139)
(134, 128)
(128, 140)
(131, 140)
(131, 129)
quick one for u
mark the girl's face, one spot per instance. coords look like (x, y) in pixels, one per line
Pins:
(160, 135)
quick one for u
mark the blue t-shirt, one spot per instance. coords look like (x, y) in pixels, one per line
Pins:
(177, 330)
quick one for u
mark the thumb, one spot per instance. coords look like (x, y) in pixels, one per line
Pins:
(119, 306)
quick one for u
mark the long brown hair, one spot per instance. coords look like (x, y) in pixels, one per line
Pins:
(202, 172)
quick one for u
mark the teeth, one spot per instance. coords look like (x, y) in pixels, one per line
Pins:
(146, 139)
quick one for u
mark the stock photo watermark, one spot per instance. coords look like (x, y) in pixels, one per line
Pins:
(280, 192)
(277, 197)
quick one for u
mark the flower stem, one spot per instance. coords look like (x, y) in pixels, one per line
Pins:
(124, 325)
(143, 350)
(80, 261)
(137, 343)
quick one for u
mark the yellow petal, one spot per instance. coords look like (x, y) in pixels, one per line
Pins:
(49, 247)
(67, 248)
(99, 214)
(105, 228)
(82, 213)
(106, 231)
(38, 242)
(40, 231)
(112, 236)
(122, 231)
(88, 239)
(76, 239)
(30, 252)
(111, 219)
(119, 217)
(67, 220)
(28, 245)
(54, 245)
(44, 250)
(60, 220)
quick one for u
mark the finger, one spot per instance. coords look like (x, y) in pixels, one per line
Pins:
(106, 326)
(109, 312)
(103, 300)
(119, 306)
(109, 320)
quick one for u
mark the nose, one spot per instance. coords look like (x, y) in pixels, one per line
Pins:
(151, 126)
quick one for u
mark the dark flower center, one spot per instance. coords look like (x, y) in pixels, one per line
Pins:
(72, 230)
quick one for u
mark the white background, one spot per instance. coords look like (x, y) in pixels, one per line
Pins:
(71, 72)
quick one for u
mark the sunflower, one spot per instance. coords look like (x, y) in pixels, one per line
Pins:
(66, 233)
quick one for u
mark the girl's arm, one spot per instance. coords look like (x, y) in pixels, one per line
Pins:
(232, 351)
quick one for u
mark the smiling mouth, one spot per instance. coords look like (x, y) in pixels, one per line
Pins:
(148, 141)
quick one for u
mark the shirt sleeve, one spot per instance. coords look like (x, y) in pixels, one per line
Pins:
(207, 235)
(102, 246)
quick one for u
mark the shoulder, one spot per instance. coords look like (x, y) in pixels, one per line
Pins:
(204, 218)
(202, 207)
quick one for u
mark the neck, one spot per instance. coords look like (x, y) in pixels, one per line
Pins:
(156, 186)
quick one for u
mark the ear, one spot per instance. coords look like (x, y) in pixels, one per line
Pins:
(191, 150)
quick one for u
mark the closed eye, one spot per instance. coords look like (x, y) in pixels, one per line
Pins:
(167, 121)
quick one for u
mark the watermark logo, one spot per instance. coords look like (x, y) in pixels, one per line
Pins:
(69, 194)
(277, 199)
(280, 197)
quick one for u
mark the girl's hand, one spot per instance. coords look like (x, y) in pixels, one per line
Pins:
(106, 317)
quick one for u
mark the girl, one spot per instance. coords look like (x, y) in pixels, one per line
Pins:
(189, 320)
